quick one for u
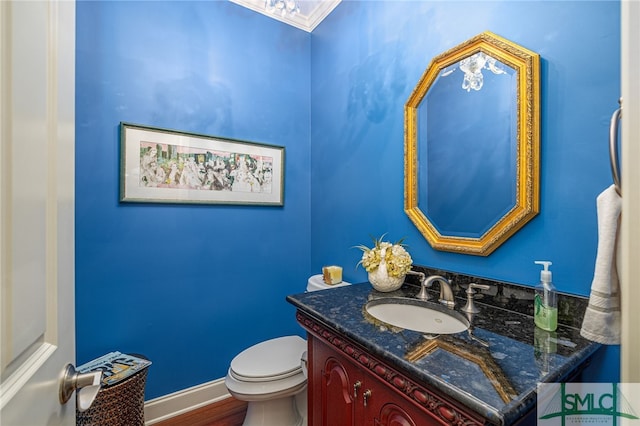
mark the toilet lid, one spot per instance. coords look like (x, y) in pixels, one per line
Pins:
(271, 360)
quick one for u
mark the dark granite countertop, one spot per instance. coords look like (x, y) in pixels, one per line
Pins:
(493, 368)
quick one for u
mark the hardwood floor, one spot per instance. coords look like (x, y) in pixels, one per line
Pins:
(228, 412)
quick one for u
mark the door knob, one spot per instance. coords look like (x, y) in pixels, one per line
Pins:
(87, 386)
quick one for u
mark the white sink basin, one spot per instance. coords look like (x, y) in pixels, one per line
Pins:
(417, 315)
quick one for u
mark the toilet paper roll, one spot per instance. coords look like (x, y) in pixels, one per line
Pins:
(87, 394)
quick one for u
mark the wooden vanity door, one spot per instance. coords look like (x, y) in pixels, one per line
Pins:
(332, 389)
(386, 408)
(343, 394)
(392, 415)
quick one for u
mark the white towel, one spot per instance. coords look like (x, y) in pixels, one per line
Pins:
(601, 321)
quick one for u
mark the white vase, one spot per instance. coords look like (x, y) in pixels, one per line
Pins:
(380, 279)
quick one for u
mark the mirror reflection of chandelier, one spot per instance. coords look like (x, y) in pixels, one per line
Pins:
(472, 68)
(282, 7)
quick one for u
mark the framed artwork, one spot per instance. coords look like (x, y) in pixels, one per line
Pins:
(168, 166)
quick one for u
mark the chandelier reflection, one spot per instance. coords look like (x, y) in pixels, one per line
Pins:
(472, 68)
(282, 7)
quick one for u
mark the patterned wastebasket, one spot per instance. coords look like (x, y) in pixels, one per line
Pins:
(121, 404)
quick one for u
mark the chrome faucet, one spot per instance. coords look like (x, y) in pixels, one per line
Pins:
(446, 294)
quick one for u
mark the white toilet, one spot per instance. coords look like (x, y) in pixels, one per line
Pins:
(272, 377)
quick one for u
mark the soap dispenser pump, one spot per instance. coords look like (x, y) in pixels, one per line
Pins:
(545, 309)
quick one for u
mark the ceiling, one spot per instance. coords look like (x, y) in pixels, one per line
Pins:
(312, 12)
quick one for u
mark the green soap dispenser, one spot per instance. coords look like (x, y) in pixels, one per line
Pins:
(545, 309)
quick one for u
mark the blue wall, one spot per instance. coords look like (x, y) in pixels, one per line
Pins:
(190, 286)
(366, 59)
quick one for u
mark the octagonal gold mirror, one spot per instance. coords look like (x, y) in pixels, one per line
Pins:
(472, 145)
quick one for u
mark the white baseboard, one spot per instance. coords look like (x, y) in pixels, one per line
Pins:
(173, 404)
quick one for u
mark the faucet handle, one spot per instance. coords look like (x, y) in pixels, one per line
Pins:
(422, 294)
(470, 307)
(476, 285)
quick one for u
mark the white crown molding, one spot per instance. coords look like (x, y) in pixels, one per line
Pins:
(312, 12)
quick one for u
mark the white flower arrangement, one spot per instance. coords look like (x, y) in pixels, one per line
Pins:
(396, 259)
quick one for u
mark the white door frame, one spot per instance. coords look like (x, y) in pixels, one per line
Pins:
(630, 226)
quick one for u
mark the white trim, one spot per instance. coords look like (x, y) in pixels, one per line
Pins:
(183, 401)
(629, 288)
(308, 19)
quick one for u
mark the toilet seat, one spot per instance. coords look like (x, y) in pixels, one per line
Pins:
(271, 360)
(242, 378)
(268, 370)
(271, 377)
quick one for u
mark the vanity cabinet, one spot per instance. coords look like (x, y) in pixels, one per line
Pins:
(348, 386)
(486, 376)
(344, 394)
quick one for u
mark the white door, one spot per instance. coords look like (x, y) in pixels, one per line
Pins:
(37, 79)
